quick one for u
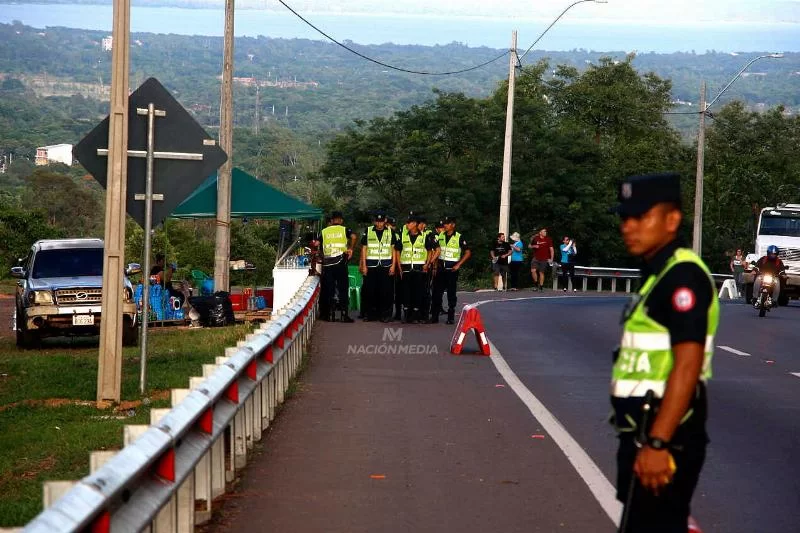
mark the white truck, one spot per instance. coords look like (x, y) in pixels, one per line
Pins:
(780, 226)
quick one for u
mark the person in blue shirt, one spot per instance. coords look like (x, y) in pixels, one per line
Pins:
(516, 259)
(568, 252)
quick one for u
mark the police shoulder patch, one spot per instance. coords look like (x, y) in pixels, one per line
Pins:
(683, 299)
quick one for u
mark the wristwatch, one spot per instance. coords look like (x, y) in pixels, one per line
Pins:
(657, 444)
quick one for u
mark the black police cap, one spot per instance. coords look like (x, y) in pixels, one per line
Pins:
(336, 214)
(638, 194)
(449, 219)
(379, 216)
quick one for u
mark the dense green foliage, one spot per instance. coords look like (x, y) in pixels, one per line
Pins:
(371, 138)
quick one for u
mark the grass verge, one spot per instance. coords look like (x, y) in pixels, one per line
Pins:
(48, 421)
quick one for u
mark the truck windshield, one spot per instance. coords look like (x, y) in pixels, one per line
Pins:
(68, 263)
(787, 226)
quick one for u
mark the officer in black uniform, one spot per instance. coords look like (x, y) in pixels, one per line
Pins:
(378, 266)
(665, 353)
(336, 242)
(454, 252)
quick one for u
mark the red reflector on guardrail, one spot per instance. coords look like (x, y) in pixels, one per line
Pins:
(165, 467)
(206, 421)
(268, 354)
(252, 370)
(232, 392)
(101, 524)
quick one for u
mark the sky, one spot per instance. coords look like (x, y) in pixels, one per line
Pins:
(667, 12)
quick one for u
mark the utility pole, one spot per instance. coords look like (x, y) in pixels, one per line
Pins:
(109, 370)
(505, 188)
(697, 234)
(222, 249)
(255, 126)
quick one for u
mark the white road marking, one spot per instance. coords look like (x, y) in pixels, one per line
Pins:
(600, 487)
(796, 374)
(733, 351)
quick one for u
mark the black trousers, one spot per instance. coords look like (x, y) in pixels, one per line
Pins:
(445, 280)
(414, 283)
(377, 293)
(513, 270)
(399, 295)
(334, 280)
(567, 274)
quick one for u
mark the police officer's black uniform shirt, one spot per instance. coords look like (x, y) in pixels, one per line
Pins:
(432, 242)
(679, 302)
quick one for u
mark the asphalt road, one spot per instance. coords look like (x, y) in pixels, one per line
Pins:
(560, 349)
(427, 441)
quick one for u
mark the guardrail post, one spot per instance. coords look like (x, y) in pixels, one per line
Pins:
(53, 490)
(613, 284)
(628, 285)
(599, 284)
(202, 472)
(99, 458)
(585, 283)
(216, 458)
(178, 514)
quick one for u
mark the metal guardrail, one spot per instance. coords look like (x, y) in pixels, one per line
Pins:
(154, 482)
(613, 274)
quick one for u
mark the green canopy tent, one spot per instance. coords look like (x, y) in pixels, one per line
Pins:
(250, 197)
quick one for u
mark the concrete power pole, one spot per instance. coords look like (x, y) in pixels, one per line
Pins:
(697, 234)
(222, 250)
(109, 370)
(505, 188)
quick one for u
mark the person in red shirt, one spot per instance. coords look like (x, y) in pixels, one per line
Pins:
(543, 254)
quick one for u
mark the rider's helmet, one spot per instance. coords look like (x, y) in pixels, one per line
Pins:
(772, 251)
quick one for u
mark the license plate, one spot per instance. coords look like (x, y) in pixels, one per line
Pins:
(83, 320)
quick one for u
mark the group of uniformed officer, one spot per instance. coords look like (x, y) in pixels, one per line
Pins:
(408, 268)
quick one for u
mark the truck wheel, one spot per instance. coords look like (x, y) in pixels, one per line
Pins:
(130, 334)
(748, 293)
(25, 338)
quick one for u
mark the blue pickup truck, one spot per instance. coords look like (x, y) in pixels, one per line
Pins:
(60, 292)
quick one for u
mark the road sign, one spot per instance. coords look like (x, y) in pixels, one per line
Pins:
(184, 154)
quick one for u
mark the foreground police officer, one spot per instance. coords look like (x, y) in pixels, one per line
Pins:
(453, 253)
(378, 265)
(667, 344)
(337, 244)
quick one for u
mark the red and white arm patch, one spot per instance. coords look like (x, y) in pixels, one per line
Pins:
(683, 299)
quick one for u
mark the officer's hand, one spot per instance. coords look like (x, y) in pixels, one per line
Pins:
(391, 270)
(456, 267)
(654, 468)
(349, 253)
(363, 270)
(425, 267)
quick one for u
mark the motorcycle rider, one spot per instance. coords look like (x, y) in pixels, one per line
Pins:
(769, 264)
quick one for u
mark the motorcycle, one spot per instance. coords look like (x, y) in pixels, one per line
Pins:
(764, 300)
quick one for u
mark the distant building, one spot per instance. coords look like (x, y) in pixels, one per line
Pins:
(57, 153)
(108, 43)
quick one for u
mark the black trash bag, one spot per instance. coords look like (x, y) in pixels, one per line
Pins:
(215, 310)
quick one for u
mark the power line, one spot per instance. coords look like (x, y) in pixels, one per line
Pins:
(359, 54)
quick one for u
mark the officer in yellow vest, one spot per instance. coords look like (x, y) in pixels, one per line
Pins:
(667, 345)
(431, 244)
(337, 244)
(415, 252)
(453, 253)
(378, 266)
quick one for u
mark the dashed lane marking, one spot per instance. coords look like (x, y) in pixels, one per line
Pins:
(733, 351)
(795, 374)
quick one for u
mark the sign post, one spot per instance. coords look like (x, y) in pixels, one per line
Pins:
(185, 156)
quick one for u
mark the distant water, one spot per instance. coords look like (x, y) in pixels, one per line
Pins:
(367, 29)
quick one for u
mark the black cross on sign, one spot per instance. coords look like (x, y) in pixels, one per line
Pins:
(183, 156)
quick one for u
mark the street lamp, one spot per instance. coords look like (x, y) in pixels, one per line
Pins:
(514, 60)
(697, 230)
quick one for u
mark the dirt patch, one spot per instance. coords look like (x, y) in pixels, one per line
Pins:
(42, 466)
(59, 402)
(6, 314)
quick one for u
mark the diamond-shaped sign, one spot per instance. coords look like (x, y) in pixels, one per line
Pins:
(176, 132)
